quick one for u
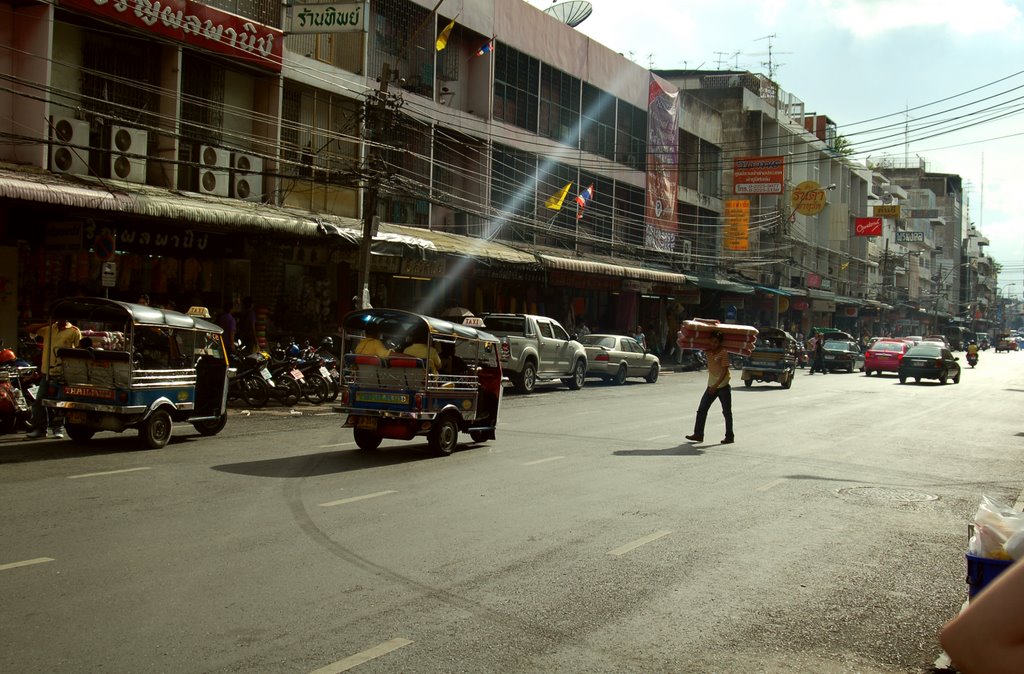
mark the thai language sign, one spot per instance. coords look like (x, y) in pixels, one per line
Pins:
(909, 237)
(329, 18)
(758, 175)
(886, 211)
(195, 24)
(737, 224)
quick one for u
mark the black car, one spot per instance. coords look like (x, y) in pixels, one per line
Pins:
(841, 354)
(929, 360)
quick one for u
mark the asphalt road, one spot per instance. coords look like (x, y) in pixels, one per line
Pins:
(589, 537)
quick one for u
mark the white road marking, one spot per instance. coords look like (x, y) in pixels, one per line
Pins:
(325, 414)
(657, 437)
(534, 463)
(27, 562)
(365, 656)
(107, 472)
(638, 542)
(773, 483)
(338, 444)
(353, 499)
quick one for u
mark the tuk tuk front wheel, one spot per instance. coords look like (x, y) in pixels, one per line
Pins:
(156, 431)
(80, 433)
(211, 426)
(444, 436)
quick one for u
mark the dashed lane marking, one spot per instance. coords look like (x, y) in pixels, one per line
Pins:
(353, 499)
(638, 542)
(108, 472)
(365, 656)
(550, 458)
(27, 562)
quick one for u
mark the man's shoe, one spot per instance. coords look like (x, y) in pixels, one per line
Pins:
(695, 438)
(728, 440)
(36, 434)
(58, 434)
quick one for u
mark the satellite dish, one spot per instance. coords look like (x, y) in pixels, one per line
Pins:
(571, 13)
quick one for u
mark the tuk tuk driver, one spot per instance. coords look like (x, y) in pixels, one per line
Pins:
(371, 344)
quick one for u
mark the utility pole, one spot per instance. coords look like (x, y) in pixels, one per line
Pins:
(375, 109)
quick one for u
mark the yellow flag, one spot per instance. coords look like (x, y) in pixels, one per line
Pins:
(843, 266)
(442, 39)
(554, 202)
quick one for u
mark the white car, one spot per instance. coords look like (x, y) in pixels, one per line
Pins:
(616, 357)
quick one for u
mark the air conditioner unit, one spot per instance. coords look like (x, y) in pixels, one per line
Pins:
(64, 158)
(128, 151)
(214, 170)
(246, 177)
(686, 248)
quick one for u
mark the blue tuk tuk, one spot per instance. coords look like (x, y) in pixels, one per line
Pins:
(139, 367)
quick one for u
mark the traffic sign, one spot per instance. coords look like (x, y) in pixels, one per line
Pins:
(108, 274)
(105, 246)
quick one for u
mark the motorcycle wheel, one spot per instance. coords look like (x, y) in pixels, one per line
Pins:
(333, 390)
(315, 390)
(254, 391)
(287, 391)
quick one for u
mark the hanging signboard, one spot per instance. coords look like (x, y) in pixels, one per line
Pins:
(808, 198)
(909, 237)
(737, 224)
(867, 226)
(886, 211)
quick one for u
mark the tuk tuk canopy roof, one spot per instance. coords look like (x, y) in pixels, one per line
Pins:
(407, 322)
(109, 311)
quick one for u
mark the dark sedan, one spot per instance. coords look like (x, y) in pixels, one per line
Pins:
(841, 354)
(929, 360)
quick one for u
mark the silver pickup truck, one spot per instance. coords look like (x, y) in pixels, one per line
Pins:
(536, 349)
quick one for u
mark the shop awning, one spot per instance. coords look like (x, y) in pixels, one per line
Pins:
(711, 283)
(794, 292)
(466, 246)
(773, 291)
(816, 294)
(850, 301)
(619, 270)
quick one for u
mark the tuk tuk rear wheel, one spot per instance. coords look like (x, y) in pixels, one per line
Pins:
(444, 436)
(156, 431)
(211, 426)
(80, 433)
(479, 436)
(366, 439)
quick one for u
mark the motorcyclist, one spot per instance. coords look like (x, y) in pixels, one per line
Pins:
(972, 352)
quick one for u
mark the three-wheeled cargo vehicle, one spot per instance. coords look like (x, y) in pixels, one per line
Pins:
(774, 358)
(408, 375)
(142, 368)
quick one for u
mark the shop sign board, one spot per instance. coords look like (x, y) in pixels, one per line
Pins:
(385, 264)
(758, 175)
(418, 267)
(329, 18)
(909, 237)
(808, 198)
(813, 281)
(63, 236)
(736, 235)
(195, 24)
(823, 306)
(637, 285)
(867, 226)
(886, 211)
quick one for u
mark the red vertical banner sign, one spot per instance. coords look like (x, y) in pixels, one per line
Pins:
(736, 235)
(662, 165)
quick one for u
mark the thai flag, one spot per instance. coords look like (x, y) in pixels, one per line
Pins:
(487, 48)
(582, 200)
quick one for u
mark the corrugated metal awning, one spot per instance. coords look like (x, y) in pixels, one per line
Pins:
(713, 283)
(816, 294)
(618, 270)
(457, 244)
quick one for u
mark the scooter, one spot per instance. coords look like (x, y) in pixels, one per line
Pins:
(17, 390)
(972, 359)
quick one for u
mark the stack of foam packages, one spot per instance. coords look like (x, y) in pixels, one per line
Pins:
(737, 339)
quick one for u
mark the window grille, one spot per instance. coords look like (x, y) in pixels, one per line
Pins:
(118, 79)
(559, 106)
(597, 132)
(631, 142)
(710, 173)
(516, 87)
(512, 191)
(266, 12)
(319, 135)
(402, 35)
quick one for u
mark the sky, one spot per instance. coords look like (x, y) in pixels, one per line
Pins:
(936, 80)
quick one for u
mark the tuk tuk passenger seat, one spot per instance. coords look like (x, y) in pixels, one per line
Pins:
(405, 372)
(364, 370)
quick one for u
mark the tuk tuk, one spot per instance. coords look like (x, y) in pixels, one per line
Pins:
(455, 387)
(774, 358)
(138, 367)
(1005, 342)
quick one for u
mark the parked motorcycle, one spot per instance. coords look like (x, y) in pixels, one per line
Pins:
(16, 392)
(252, 381)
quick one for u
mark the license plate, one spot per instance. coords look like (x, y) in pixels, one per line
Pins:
(34, 391)
(919, 363)
(335, 375)
(296, 375)
(76, 417)
(266, 374)
(324, 371)
(369, 423)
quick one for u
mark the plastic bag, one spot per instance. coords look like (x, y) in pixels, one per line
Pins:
(998, 531)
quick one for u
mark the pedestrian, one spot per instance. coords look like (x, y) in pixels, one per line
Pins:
(718, 389)
(818, 356)
(581, 328)
(143, 300)
(640, 336)
(227, 321)
(58, 335)
(988, 635)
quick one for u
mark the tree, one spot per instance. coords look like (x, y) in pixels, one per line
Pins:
(842, 146)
